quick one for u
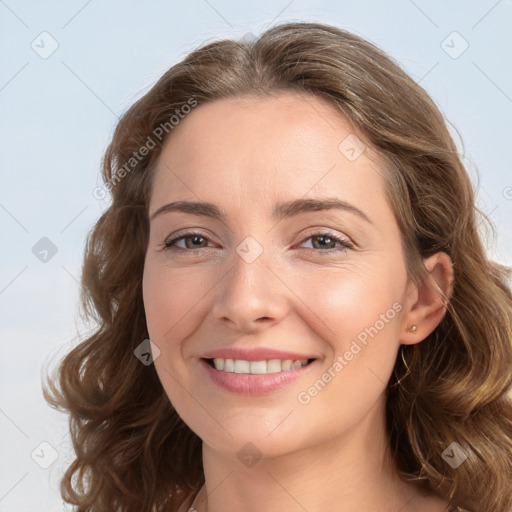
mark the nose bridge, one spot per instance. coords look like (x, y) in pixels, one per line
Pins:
(250, 292)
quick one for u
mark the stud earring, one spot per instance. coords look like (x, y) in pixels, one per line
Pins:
(412, 329)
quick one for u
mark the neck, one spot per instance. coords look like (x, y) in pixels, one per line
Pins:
(353, 471)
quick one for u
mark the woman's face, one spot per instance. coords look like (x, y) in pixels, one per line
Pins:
(328, 284)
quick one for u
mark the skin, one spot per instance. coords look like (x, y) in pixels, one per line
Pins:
(245, 155)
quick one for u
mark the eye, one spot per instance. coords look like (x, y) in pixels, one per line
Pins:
(192, 241)
(324, 240)
(195, 241)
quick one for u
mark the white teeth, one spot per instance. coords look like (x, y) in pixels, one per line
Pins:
(273, 365)
(286, 365)
(242, 366)
(257, 367)
(219, 363)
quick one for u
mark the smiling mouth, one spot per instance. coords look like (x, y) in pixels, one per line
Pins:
(242, 366)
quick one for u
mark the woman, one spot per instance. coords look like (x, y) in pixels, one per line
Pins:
(293, 229)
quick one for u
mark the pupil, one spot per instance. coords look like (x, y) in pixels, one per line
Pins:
(195, 238)
(323, 237)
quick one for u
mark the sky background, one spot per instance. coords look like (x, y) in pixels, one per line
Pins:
(69, 69)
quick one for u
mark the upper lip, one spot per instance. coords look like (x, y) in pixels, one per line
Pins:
(254, 354)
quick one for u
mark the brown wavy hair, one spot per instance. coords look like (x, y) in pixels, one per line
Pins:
(133, 451)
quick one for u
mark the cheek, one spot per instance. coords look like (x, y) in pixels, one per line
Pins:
(348, 301)
(170, 298)
(358, 316)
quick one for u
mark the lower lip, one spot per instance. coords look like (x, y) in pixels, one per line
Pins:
(258, 384)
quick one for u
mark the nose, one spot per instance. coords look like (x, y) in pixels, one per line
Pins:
(250, 296)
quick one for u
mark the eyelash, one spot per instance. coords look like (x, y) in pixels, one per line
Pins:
(169, 245)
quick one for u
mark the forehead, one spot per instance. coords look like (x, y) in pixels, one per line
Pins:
(243, 151)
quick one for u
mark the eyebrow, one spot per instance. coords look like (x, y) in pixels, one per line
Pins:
(279, 212)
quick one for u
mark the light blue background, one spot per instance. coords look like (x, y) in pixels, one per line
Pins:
(57, 115)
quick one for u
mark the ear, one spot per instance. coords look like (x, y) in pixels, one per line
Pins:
(426, 303)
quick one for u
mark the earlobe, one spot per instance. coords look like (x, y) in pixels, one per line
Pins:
(432, 297)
